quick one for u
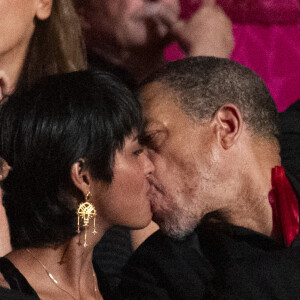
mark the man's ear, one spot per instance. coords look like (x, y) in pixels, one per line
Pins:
(43, 10)
(81, 176)
(229, 123)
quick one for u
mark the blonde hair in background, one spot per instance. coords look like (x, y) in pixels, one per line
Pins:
(55, 47)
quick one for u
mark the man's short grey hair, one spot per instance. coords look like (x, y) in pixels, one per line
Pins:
(204, 84)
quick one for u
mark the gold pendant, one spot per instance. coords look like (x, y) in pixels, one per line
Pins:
(85, 212)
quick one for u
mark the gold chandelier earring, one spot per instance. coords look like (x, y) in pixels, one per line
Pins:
(85, 212)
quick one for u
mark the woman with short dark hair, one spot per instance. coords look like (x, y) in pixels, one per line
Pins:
(77, 169)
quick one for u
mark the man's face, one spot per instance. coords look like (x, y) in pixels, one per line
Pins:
(128, 23)
(186, 156)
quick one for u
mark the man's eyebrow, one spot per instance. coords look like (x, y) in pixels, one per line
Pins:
(151, 126)
(147, 135)
(152, 132)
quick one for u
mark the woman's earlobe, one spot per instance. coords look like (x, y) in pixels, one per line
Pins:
(230, 122)
(44, 8)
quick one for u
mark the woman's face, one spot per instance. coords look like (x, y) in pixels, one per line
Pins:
(126, 201)
(17, 23)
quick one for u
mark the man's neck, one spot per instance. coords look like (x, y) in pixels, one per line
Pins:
(252, 208)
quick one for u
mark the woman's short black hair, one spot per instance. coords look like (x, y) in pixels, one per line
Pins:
(43, 132)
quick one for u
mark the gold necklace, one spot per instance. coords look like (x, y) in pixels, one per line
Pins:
(55, 282)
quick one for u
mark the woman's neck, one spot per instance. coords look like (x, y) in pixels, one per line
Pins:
(64, 272)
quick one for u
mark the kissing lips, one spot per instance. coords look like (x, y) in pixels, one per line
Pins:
(154, 196)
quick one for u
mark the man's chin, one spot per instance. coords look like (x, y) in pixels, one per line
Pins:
(176, 234)
(173, 229)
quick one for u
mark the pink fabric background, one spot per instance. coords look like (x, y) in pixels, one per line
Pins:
(267, 40)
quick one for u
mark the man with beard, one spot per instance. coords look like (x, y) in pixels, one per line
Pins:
(228, 214)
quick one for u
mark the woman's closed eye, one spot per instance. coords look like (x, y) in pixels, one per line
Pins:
(139, 151)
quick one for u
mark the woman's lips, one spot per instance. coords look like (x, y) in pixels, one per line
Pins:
(153, 197)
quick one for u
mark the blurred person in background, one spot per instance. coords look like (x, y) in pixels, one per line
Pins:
(130, 36)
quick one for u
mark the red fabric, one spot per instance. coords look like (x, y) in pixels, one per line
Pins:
(285, 207)
(267, 40)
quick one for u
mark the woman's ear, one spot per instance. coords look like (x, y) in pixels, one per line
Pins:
(229, 124)
(43, 9)
(81, 176)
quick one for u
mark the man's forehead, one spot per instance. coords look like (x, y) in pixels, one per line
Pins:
(158, 104)
(155, 92)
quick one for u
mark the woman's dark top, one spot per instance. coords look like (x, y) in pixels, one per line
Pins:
(15, 279)
(7, 294)
(19, 283)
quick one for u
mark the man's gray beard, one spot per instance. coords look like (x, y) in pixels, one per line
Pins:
(179, 222)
